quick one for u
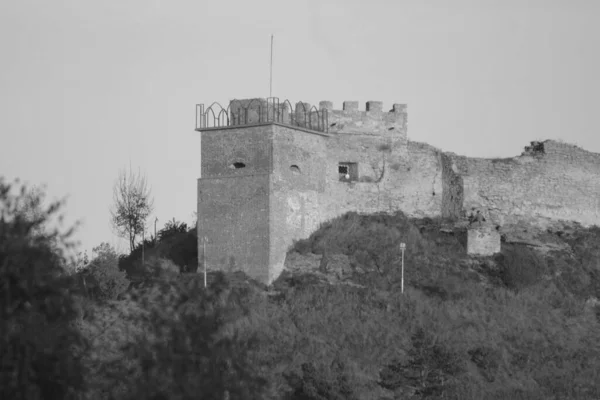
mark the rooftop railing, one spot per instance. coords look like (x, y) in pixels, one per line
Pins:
(260, 111)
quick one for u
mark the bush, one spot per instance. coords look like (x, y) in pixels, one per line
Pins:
(430, 369)
(41, 348)
(175, 244)
(104, 271)
(371, 242)
(520, 266)
(319, 382)
(184, 353)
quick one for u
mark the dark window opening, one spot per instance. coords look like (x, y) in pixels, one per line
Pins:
(348, 172)
(237, 165)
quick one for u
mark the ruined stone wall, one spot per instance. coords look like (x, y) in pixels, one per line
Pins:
(452, 190)
(483, 241)
(550, 180)
(419, 189)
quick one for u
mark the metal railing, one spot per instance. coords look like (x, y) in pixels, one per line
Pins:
(260, 111)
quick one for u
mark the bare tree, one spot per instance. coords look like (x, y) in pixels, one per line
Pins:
(132, 205)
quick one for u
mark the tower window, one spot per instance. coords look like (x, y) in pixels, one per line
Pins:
(348, 171)
(237, 165)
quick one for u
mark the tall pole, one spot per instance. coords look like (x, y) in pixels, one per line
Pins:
(204, 258)
(155, 229)
(271, 70)
(402, 247)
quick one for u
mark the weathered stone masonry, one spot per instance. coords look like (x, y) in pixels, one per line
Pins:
(266, 182)
(549, 181)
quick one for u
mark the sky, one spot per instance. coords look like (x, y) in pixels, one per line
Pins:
(91, 87)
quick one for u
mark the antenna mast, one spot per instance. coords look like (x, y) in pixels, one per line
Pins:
(271, 70)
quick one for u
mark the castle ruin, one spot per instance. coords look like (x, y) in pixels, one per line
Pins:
(272, 172)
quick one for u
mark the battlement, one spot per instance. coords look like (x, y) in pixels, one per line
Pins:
(370, 120)
(370, 106)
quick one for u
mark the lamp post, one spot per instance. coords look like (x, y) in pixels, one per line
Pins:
(143, 240)
(402, 248)
(155, 229)
(204, 258)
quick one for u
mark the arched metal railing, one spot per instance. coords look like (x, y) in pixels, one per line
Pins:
(259, 111)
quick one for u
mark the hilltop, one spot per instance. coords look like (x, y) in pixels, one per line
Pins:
(522, 324)
(363, 250)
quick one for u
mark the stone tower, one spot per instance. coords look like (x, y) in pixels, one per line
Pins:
(272, 172)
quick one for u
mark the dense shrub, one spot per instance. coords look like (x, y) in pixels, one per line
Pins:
(520, 266)
(104, 272)
(41, 348)
(371, 243)
(175, 243)
(431, 367)
(320, 382)
(183, 353)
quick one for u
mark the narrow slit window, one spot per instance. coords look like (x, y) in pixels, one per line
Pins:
(237, 165)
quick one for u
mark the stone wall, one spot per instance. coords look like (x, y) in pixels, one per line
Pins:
(266, 185)
(233, 214)
(373, 120)
(550, 180)
(297, 186)
(453, 190)
(222, 148)
(233, 203)
(483, 241)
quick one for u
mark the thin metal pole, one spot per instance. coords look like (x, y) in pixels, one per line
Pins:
(271, 70)
(402, 247)
(143, 240)
(402, 289)
(204, 258)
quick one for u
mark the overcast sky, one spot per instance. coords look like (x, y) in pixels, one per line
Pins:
(86, 87)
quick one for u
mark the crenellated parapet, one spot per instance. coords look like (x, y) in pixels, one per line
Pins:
(372, 120)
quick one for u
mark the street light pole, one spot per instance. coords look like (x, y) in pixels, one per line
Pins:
(402, 247)
(143, 240)
(204, 258)
(155, 229)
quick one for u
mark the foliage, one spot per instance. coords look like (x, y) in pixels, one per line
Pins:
(184, 353)
(172, 228)
(176, 245)
(374, 239)
(320, 382)
(430, 368)
(41, 349)
(104, 270)
(520, 266)
(517, 326)
(131, 207)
